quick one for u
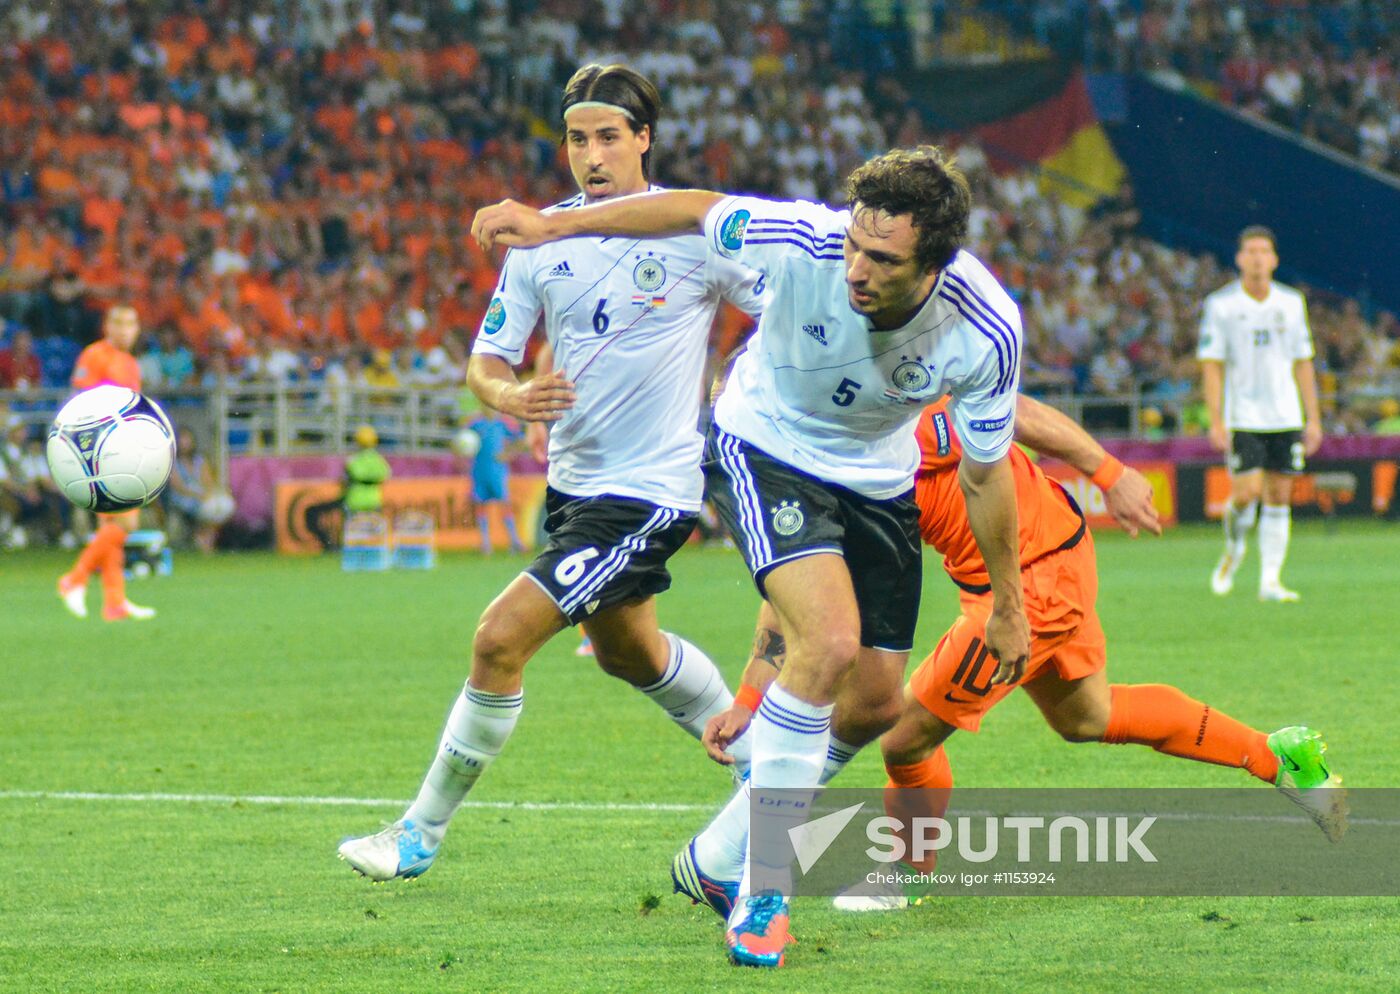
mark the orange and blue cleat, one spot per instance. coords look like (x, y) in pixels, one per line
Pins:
(761, 933)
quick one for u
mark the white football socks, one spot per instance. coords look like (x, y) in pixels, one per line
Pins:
(838, 754)
(1275, 522)
(790, 739)
(1238, 521)
(720, 848)
(691, 692)
(477, 729)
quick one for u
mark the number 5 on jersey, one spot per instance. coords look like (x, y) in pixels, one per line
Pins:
(845, 393)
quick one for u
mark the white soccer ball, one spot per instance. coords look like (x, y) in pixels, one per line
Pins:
(111, 449)
(466, 443)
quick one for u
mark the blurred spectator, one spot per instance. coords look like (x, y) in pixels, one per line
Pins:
(31, 506)
(195, 502)
(20, 368)
(1389, 421)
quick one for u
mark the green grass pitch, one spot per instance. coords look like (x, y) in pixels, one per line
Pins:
(286, 678)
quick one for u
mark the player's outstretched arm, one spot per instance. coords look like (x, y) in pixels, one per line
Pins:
(989, 490)
(643, 215)
(1127, 493)
(544, 398)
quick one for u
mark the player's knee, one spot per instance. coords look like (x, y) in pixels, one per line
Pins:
(1087, 726)
(1278, 490)
(632, 666)
(496, 647)
(1247, 491)
(876, 717)
(906, 747)
(831, 651)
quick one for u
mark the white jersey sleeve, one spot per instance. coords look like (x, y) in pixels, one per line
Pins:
(514, 311)
(741, 286)
(764, 234)
(985, 412)
(1213, 344)
(1301, 339)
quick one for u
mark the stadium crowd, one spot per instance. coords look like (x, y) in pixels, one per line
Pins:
(285, 191)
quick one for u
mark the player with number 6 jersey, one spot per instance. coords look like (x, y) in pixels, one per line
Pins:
(628, 322)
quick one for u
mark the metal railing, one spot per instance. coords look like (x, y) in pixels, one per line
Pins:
(244, 419)
(294, 419)
(319, 419)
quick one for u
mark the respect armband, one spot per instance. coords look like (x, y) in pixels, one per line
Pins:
(1110, 471)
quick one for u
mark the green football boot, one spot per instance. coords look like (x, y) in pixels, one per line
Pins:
(1305, 778)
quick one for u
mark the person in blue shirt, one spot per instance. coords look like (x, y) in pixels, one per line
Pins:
(491, 474)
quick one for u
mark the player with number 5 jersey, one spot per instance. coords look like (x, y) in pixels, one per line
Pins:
(871, 313)
(628, 321)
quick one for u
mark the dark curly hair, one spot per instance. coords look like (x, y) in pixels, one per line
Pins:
(925, 184)
(621, 86)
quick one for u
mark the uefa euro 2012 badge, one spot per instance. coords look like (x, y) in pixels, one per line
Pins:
(495, 317)
(788, 518)
(732, 228)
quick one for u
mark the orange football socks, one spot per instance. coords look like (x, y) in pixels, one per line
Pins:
(931, 785)
(1164, 718)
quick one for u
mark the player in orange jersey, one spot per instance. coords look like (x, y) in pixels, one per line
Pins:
(108, 360)
(956, 685)
(953, 688)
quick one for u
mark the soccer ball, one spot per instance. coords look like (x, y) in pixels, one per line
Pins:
(111, 449)
(466, 443)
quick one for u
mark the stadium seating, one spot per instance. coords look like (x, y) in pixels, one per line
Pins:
(287, 196)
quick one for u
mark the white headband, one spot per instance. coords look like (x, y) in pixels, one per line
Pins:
(600, 105)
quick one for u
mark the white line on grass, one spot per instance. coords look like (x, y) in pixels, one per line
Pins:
(591, 806)
(348, 802)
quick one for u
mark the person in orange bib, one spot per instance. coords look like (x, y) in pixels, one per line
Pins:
(107, 361)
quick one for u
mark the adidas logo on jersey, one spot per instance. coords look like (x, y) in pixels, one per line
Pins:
(817, 331)
(562, 269)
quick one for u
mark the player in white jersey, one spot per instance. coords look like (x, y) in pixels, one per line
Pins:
(628, 323)
(870, 313)
(1256, 357)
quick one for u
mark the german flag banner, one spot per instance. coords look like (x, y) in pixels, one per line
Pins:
(1027, 114)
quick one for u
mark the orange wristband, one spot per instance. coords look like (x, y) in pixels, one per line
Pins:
(748, 697)
(1110, 471)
